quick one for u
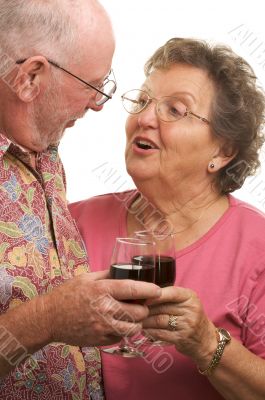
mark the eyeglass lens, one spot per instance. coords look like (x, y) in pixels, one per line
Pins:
(168, 108)
(109, 87)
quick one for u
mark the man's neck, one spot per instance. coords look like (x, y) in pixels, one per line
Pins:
(30, 154)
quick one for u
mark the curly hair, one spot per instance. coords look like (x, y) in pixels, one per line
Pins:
(237, 113)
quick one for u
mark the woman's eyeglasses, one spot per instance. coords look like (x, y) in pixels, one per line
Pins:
(168, 109)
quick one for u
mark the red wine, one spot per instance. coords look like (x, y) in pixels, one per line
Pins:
(141, 272)
(165, 269)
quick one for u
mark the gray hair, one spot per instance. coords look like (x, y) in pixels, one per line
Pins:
(238, 110)
(30, 27)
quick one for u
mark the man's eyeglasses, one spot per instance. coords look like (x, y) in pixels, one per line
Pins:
(168, 109)
(104, 92)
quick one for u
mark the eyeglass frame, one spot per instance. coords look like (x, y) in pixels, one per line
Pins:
(149, 101)
(80, 79)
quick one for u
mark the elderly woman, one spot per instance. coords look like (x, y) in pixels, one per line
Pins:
(193, 136)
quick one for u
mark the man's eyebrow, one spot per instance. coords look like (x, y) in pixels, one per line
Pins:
(101, 80)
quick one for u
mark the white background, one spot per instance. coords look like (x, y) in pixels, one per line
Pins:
(93, 150)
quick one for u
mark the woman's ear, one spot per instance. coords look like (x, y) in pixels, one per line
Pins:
(226, 153)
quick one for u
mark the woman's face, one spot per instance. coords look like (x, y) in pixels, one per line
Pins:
(181, 149)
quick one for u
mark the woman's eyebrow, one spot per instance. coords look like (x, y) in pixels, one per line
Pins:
(174, 94)
(186, 94)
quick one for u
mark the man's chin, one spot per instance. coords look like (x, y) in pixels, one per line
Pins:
(70, 123)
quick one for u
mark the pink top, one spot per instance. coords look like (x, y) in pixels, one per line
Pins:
(226, 269)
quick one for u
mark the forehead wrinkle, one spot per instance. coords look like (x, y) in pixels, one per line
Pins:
(189, 96)
(191, 81)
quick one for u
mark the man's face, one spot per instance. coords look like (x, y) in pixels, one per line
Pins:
(66, 99)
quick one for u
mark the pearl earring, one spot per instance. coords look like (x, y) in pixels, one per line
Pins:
(212, 165)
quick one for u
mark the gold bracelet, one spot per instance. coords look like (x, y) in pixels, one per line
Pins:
(224, 338)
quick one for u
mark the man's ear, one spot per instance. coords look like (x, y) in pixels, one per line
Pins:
(220, 159)
(31, 78)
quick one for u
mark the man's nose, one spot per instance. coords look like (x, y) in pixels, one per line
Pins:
(92, 104)
(94, 107)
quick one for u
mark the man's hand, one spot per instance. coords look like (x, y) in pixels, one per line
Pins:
(89, 310)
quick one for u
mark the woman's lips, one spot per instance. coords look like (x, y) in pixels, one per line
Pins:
(138, 150)
(144, 143)
(144, 146)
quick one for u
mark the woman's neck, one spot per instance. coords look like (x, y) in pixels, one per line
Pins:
(189, 215)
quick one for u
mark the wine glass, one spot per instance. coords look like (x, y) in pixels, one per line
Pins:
(132, 258)
(165, 264)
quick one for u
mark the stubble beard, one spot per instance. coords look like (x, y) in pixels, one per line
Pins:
(48, 118)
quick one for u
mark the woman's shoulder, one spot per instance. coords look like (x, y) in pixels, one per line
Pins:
(246, 211)
(109, 204)
(100, 220)
(247, 223)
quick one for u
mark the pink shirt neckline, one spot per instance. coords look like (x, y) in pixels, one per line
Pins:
(232, 202)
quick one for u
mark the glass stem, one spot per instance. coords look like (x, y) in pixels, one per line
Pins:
(125, 343)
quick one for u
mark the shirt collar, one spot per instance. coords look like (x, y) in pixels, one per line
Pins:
(5, 144)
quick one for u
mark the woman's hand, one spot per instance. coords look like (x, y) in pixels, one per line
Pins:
(194, 334)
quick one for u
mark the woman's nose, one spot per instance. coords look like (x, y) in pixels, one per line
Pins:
(148, 117)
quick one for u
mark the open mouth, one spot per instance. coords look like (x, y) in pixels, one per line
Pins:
(145, 144)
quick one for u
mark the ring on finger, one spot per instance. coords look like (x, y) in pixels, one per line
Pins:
(172, 322)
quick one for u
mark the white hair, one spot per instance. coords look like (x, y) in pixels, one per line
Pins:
(30, 27)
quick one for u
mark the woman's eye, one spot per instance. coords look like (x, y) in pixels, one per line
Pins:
(176, 108)
(174, 111)
(141, 102)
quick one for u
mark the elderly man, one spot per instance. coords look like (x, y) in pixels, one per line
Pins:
(55, 58)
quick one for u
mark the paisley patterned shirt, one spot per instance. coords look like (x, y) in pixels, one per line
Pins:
(40, 247)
